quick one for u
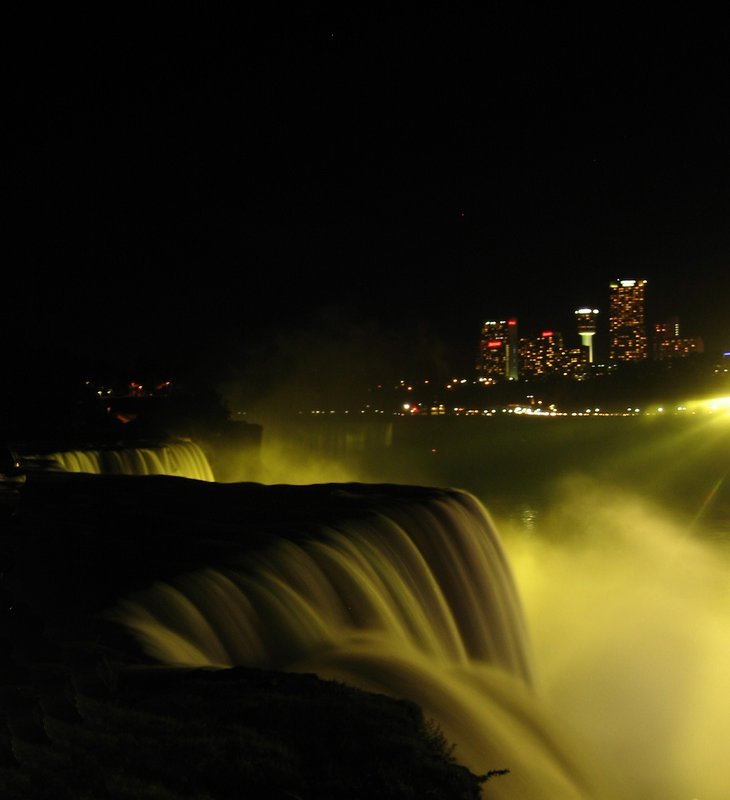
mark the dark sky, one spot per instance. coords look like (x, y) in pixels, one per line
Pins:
(236, 194)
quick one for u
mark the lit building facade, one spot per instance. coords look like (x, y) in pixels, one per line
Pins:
(587, 321)
(576, 362)
(546, 355)
(542, 355)
(626, 324)
(668, 344)
(498, 358)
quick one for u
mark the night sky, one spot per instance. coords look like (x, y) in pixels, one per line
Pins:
(235, 195)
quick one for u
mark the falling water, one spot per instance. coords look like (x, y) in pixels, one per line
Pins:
(414, 599)
(184, 459)
(621, 690)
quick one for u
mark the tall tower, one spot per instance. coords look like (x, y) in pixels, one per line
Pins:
(587, 325)
(626, 321)
(498, 350)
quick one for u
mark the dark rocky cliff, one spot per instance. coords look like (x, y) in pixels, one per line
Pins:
(86, 714)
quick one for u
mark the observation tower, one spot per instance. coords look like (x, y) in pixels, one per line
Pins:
(586, 319)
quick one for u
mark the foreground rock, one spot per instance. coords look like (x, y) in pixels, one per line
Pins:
(87, 714)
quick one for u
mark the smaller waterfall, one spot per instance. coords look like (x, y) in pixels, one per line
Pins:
(184, 459)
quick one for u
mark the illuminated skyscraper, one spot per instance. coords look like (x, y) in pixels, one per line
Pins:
(542, 355)
(626, 322)
(587, 324)
(669, 344)
(498, 350)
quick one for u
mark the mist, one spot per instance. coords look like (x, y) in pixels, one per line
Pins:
(629, 617)
(616, 535)
(623, 568)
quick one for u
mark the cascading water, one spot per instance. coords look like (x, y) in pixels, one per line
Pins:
(414, 599)
(621, 690)
(185, 459)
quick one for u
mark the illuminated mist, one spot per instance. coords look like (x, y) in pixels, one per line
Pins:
(415, 599)
(623, 569)
(629, 616)
(604, 584)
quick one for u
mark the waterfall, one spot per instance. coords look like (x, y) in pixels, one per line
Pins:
(415, 599)
(184, 459)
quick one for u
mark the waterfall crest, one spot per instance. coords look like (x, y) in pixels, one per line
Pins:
(415, 599)
(184, 459)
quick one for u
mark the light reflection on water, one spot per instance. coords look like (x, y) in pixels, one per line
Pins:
(514, 464)
(527, 516)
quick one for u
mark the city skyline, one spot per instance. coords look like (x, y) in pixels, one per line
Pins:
(360, 192)
(615, 331)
